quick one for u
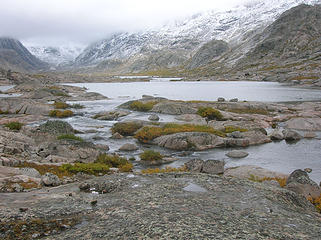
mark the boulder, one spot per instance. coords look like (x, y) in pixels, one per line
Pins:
(189, 141)
(277, 135)
(153, 117)
(291, 135)
(128, 147)
(213, 167)
(117, 135)
(210, 166)
(237, 154)
(234, 100)
(50, 180)
(194, 165)
(256, 136)
(57, 127)
(236, 142)
(299, 182)
(221, 99)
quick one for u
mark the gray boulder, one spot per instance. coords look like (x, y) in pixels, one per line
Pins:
(57, 127)
(189, 141)
(300, 182)
(234, 100)
(221, 99)
(277, 135)
(153, 117)
(128, 147)
(291, 135)
(194, 165)
(237, 154)
(50, 180)
(173, 108)
(111, 115)
(213, 167)
(209, 166)
(30, 172)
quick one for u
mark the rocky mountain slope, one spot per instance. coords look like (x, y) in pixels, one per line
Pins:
(14, 56)
(173, 45)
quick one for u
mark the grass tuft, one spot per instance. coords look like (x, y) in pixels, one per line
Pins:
(151, 156)
(142, 107)
(164, 170)
(210, 113)
(61, 114)
(126, 128)
(15, 126)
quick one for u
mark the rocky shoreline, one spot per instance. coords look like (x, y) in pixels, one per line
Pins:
(240, 203)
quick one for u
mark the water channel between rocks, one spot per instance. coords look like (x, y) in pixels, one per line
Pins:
(277, 156)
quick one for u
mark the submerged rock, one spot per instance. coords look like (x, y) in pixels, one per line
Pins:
(291, 135)
(237, 154)
(153, 117)
(128, 147)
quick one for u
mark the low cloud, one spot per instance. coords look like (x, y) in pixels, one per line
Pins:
(84, 21)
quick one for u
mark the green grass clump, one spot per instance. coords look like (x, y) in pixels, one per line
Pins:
(151, 156)
(77, 106)
(230, 129)
(126, 128)
(142, 107)
(14, 125)
(44, 168)
(61, 114)
(70, 137)
(210, 113)
(147, 134)
(115, 161)
(88, 168)
(3, 112)
(60, 105)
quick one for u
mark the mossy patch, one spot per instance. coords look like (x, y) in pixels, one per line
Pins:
(210, 113)
(126, 128)
(146, 134)
(281, 181)
(61, 114)
(151, 156)
(141, 106)
(316, 202)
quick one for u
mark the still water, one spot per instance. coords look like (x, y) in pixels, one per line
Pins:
(276, 156)
(205, 90)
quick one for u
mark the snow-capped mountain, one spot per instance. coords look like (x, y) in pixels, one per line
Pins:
(55, 55)
(181, 39)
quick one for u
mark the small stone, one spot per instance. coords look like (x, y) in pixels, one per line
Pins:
(93, 202)
(17, 187)
(23, 209)
(117, 136)
(84, 187)
(221, 99)
(194, 165)
(237, 154)
(276, 135)
(153, 117)
(49, 179)
(308, 170)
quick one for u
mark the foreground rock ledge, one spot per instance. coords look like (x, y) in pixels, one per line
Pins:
(166, 206)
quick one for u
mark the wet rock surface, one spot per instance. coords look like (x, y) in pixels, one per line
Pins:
(161, 206)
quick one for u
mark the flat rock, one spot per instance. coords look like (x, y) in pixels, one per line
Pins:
(128, 147)
(237, 154)
(291, 135)
(307, 124)
(246, 171)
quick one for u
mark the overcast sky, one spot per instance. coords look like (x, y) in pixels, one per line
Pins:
(84, 21)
